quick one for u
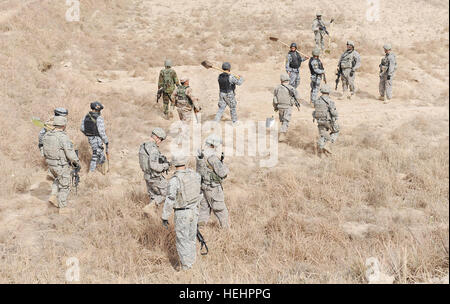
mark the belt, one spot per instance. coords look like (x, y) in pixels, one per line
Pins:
(178, 209)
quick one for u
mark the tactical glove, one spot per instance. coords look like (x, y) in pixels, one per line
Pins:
(388, 77)
(222, 157)
(200, 154)
(352, 73)
(165, 224)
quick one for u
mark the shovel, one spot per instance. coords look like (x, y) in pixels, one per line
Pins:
(270, 121)
(285, 44)
(209, 65)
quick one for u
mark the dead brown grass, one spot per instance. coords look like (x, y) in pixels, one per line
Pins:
(288, 222)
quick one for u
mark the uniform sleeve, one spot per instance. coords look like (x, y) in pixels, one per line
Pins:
(154, 162)
(236, 81)
(219, 168)
(296, 94)
(172, 189)
(193, 99)
(315, 25)
(275, 98)
(288, 62)
(392, 65)
(69, 150)
(175, 78)
(303, 58)
(82, 126)
(101, 129)
(315, 66)
(333, 111)
(41, 136)
(357, 63)
(161, 80)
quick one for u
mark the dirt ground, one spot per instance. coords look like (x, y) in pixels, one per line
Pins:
(383, 194)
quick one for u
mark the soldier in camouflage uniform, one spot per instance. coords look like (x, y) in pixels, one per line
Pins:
(58, 112)
(168, 80)
(185, 101)
(93, 126)
(317, 72)
(349, 63)
(153, 164)
(388, 67)
(318, 27)
(183, 196)
(227, 85)
(60, 157)
(293, 63)
(213, 172)
(326, 115)
(282, 102)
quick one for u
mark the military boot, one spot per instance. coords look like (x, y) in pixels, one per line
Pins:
(281, 137)
(53, 200)
(381, 98)
(102, 168)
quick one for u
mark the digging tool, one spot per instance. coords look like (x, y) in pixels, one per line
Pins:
(37, 122)
(285, 44)
(208, 65)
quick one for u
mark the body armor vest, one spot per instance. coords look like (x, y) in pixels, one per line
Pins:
(189, 191)
(347, 60)
(321, 111)
(207, 173)
(224, 83)
(311, 67)
(90, 124)
(296, 60)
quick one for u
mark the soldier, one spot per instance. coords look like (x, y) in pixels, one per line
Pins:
(213, 172)
(183, 196)
(317, 72)
(350, 62)
(293, 63)
(282, 102)
(60, 156)
(319, 29)
(185, 101)
(58, 112)
(227, 85)
(168, 79)
(326, 115)
(93, 126)
(388, 66)
(153, 164)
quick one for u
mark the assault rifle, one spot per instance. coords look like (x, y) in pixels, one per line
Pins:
(75, 175)
(338, 74)
(297, 104)
(159, 94)
(202, 241)
(163, 160)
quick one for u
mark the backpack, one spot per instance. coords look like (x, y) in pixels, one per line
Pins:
(144, 158)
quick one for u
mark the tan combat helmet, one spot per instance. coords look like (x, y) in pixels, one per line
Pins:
(59, 121)
(319, 14)
(325, 89)
(168, 63)
(213, 140)
(387, 47)
(159, 132)
(184, 79)
(349, 42)
(284, 77)
(316, 52)
(179, 160)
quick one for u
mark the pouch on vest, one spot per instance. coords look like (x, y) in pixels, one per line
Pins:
(144, 158)
(189, 191)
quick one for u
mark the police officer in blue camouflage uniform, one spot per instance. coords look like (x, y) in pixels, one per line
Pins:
(93, 126)
(293, 63)
(227, 85)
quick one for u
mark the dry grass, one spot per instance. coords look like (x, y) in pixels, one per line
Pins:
(289, 223)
